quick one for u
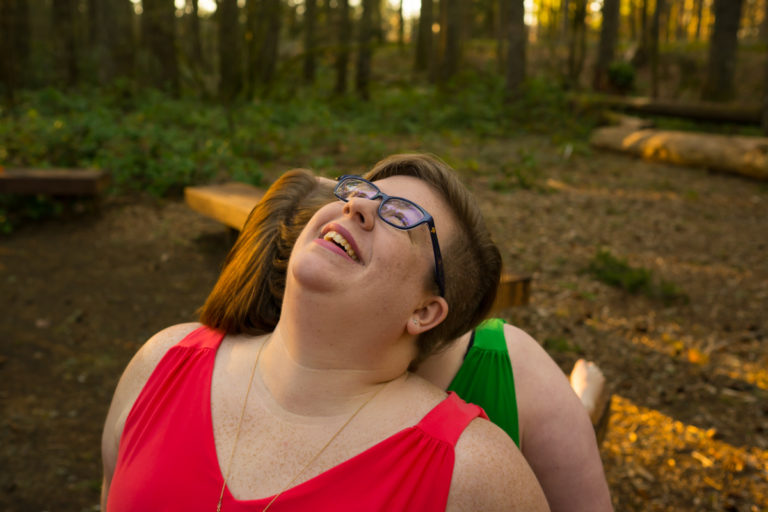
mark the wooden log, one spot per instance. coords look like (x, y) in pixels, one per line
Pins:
(743, 155)
(56, 182)
(697, 111)
(231, 203)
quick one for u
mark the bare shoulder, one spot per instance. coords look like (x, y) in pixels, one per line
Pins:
(131, 383)
(146, 359)
(556, 434)
(490, 473)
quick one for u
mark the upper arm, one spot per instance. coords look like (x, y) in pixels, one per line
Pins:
(491, 474)
(128, 389)
(557, 437)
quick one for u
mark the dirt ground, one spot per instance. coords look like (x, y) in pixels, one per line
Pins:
(689, 417)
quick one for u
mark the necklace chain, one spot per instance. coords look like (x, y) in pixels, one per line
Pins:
(308, 464)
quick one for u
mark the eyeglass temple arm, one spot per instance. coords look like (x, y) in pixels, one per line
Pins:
(439, 272)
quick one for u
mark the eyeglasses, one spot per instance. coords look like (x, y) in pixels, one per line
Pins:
(398, 212)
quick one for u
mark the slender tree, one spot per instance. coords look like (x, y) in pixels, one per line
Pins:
(578, 42)
(699, 8)
(158, 34)
(654, 48)
(111, 39)
(424, 39)
(14, 46)
(450, 35)
(197, 42)
(253, 36)
(516, 60)
(342, 54)
(310, 43)
(229, 50)
(364, 39)
(269, 44)
(722, 51)
(765, 89)
(609, 34)
(64, 42)
(400, 26)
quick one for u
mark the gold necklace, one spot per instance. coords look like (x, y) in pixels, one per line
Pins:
(313, 459)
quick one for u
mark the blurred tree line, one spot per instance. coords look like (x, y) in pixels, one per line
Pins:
(236, 48)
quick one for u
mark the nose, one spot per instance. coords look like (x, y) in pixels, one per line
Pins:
(362, 210)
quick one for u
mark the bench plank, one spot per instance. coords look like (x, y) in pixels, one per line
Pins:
(59, 182)
(230, 204)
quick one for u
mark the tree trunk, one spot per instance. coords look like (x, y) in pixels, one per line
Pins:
(763, 31)
(197, 43)
(230, 63)
(633, 10)
(450, 31)
(517, 33)
(699, 8)
(364, 38)
(654, 48)
(254, 34)
(736, 154)
(158, 33)
(400, 27)
(65, 47)
(342, 55)
(424, 40)
(111, 39)
(722, 51)
(14, 46)
(310, 43)
(269, 45)
(578, 42)
(501, 36)
(609, 35)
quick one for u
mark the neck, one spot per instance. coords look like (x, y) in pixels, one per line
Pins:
(441, 368)
(325, 364)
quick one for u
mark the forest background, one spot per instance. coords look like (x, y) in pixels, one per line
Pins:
(666, 279)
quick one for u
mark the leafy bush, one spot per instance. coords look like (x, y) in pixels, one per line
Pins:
(621, 76)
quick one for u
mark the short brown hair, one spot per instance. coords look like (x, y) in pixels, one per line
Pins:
(471, 259)
(248, 296)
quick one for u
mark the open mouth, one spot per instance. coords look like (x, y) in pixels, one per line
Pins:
(336, 238)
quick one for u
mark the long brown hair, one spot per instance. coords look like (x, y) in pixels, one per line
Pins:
(248, 296)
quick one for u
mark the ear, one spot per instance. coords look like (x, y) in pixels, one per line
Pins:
(428, 316)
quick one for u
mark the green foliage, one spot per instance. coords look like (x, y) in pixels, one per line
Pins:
(621, 76)
(615, 271)
(156, 144)
(15, 209)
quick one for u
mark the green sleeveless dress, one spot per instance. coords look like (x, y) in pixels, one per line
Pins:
(485, 377)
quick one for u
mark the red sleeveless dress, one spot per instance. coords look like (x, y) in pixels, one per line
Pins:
(167, 458)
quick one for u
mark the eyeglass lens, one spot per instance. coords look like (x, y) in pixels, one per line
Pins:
(397, 212)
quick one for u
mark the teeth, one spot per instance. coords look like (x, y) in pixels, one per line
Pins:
(340, 240)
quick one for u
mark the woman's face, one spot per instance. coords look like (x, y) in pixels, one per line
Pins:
(348, 249)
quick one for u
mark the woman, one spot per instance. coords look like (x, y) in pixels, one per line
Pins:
(538, 408)
(322, 412)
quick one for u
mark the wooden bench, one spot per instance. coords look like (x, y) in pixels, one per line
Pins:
(230, 204)
(55, 182)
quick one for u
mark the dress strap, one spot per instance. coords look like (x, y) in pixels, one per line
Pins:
(203, 337)
(449, 418)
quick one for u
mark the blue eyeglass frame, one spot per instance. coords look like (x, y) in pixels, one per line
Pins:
(426, 218)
